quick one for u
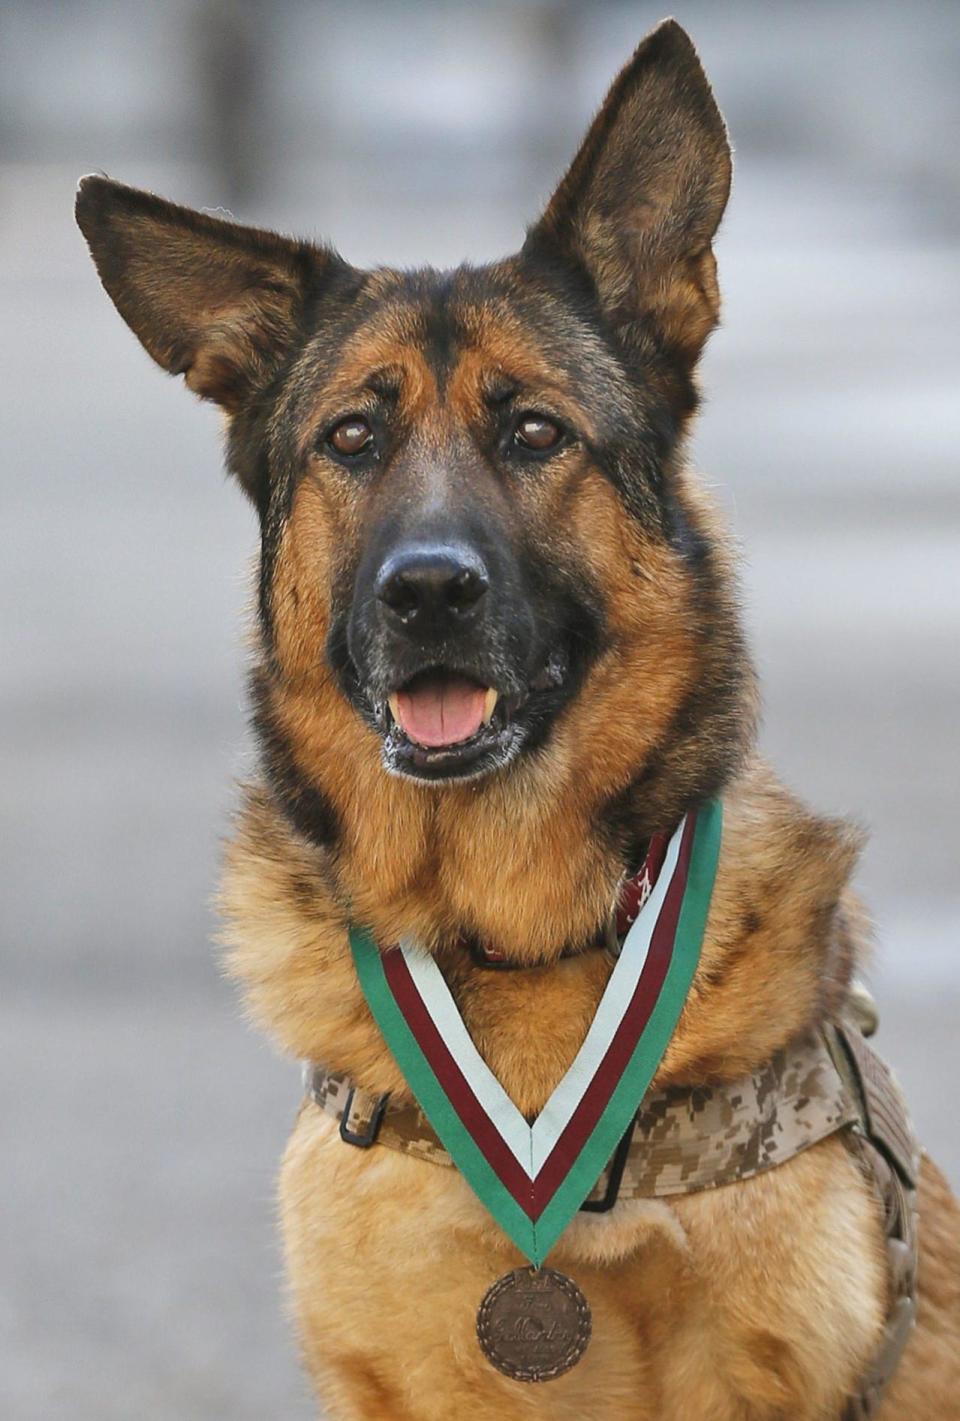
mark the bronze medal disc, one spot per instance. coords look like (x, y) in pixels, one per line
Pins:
(534, 1324)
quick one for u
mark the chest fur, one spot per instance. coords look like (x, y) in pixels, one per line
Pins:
(730, 1304)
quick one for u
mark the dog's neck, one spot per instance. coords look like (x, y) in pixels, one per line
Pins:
(779, 949)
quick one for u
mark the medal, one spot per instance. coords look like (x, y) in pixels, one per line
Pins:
(533, 1178)
(534, 1324)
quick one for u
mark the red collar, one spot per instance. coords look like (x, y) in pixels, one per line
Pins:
(634, 892)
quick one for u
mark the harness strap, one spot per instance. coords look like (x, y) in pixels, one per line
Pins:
(687, 1139)
(887, 1150)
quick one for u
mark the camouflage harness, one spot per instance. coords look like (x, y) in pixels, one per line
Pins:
(686, 1139)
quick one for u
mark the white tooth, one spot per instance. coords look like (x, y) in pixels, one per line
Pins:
(394, 703)
(489, 705)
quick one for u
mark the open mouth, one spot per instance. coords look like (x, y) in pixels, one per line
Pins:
(442, 724)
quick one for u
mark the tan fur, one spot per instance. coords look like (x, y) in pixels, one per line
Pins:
(927, 1382)
(762, 1300)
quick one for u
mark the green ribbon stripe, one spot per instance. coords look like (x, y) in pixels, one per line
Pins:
(536, 1239)
(432, 1098)
(654, 1039)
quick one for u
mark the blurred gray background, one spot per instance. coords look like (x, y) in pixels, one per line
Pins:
(141, 1119)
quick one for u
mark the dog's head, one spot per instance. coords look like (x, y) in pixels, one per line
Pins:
(480, 549)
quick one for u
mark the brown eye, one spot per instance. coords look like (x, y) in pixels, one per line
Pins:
(351, 436)
(535, 431)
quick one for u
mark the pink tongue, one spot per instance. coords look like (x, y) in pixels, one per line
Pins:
(441, 710)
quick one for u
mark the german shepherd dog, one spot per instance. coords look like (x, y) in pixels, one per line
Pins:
(499, 648)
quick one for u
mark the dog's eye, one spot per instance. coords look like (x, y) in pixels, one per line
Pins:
(537, 432)
(351, 436)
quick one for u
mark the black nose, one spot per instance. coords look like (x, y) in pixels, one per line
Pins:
(431, 590)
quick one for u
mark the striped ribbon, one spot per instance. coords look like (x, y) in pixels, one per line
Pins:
(533, 1178)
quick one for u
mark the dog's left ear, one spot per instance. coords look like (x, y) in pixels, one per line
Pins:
(642, 200)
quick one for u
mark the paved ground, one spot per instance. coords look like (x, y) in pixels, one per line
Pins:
(140, 1121)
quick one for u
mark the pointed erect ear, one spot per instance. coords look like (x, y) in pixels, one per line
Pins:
(639, 207)
(210, 300)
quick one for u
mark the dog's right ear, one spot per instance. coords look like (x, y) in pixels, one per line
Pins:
(216, 302)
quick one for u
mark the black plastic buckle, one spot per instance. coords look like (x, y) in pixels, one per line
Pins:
(369, 1136)
(618, 1164)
